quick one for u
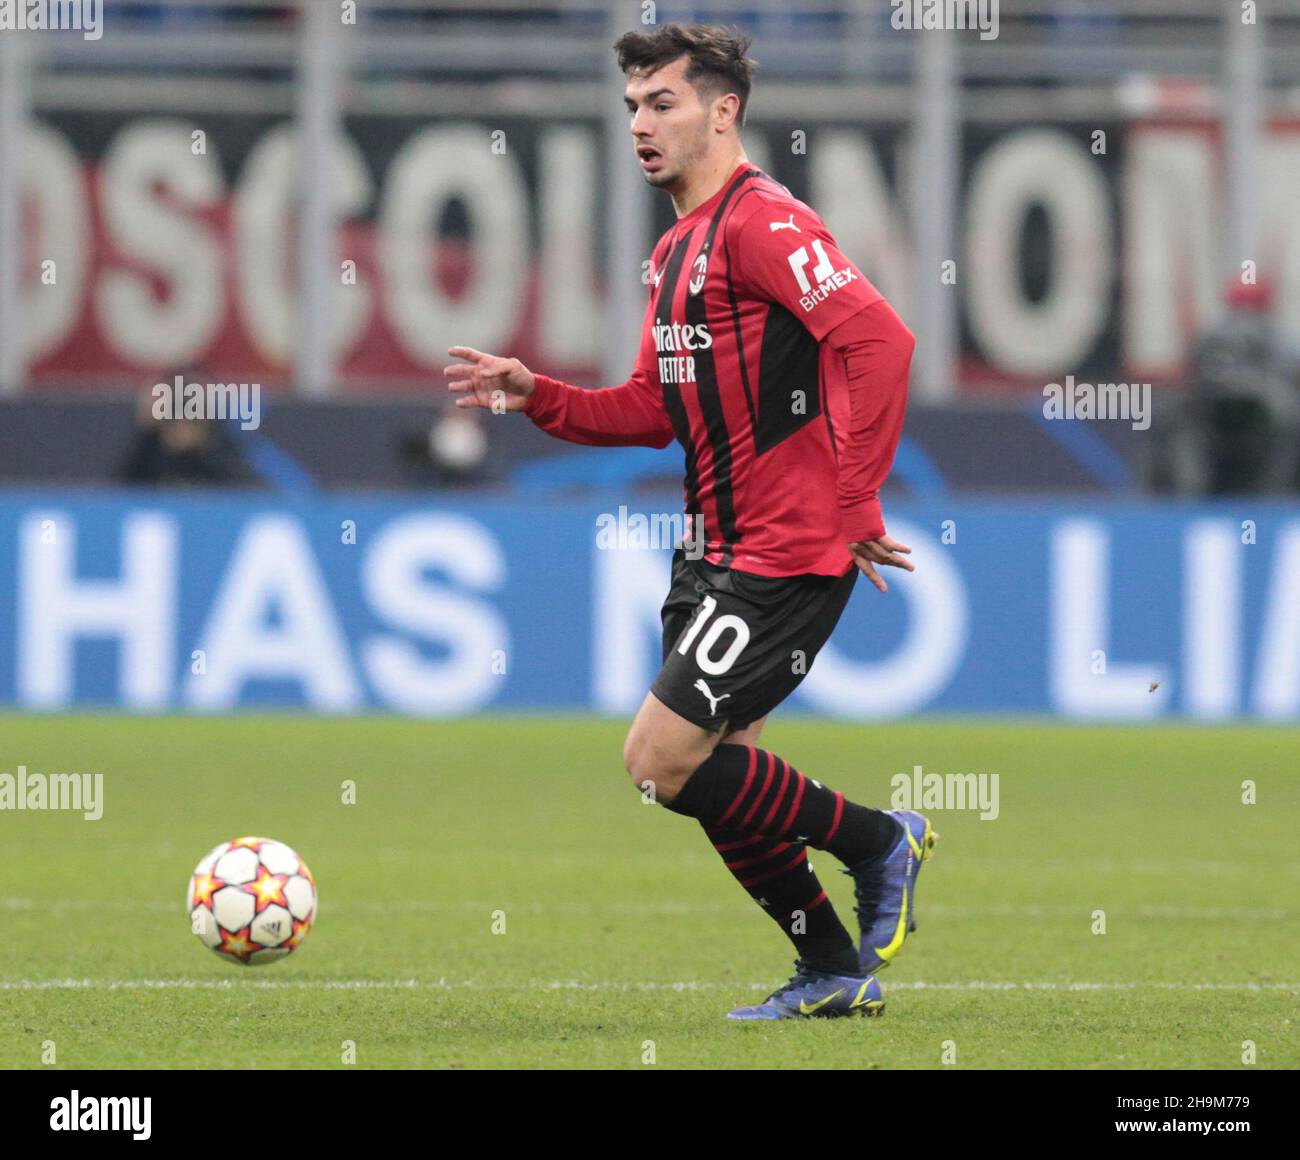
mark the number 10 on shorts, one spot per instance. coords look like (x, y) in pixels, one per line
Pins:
(703, 653)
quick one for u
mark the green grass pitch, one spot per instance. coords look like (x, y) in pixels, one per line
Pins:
(625, 940)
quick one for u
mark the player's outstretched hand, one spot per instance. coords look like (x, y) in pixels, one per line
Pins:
(885, 551)
(486, 380)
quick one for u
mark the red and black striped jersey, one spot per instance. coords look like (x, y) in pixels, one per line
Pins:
(776, 365)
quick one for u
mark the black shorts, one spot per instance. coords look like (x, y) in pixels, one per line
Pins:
(735, 645)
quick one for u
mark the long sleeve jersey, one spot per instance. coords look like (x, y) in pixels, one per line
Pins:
(777, 366)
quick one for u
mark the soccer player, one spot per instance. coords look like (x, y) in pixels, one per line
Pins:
(782, 372)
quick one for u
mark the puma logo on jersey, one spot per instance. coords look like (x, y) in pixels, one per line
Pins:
(774, 226)
(713, 701)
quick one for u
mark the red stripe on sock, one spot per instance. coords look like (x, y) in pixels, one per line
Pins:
(794, 809)
(779, 848)
(762, 793)
(766, 827)
(815, 903)
(744, 789)
(835, 823)
(724, 847)
(802, 856)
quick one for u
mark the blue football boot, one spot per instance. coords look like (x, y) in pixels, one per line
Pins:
(812, 995)
(885, 889)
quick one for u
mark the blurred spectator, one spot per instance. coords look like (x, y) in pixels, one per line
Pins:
(1244, 406)
(182, 452)
(454, 451)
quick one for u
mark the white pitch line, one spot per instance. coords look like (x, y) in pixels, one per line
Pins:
(669, 907)
(589, 985)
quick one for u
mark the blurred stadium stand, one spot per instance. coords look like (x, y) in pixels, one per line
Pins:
(280, 197)
(475, 184)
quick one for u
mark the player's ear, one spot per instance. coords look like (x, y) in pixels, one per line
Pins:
(726, 112)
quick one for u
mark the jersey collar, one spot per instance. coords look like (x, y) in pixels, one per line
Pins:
(705, 208)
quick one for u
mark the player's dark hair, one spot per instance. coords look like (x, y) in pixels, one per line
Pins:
(718, 63)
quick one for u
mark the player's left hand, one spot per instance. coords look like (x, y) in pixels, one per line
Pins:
(885, 551)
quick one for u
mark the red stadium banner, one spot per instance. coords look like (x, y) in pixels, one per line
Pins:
(157, 244)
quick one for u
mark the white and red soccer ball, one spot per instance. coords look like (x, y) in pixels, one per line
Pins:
(252, 900)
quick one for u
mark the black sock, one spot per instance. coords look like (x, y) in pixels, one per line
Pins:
(753, 791)
(778, 876)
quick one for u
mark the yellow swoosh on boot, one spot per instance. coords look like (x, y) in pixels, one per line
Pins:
(804, 1009)
(900, 933)
(860, 997)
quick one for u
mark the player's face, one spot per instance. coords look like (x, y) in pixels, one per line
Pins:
(670, 124)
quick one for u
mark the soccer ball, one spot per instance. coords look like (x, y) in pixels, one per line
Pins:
(252, 900)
